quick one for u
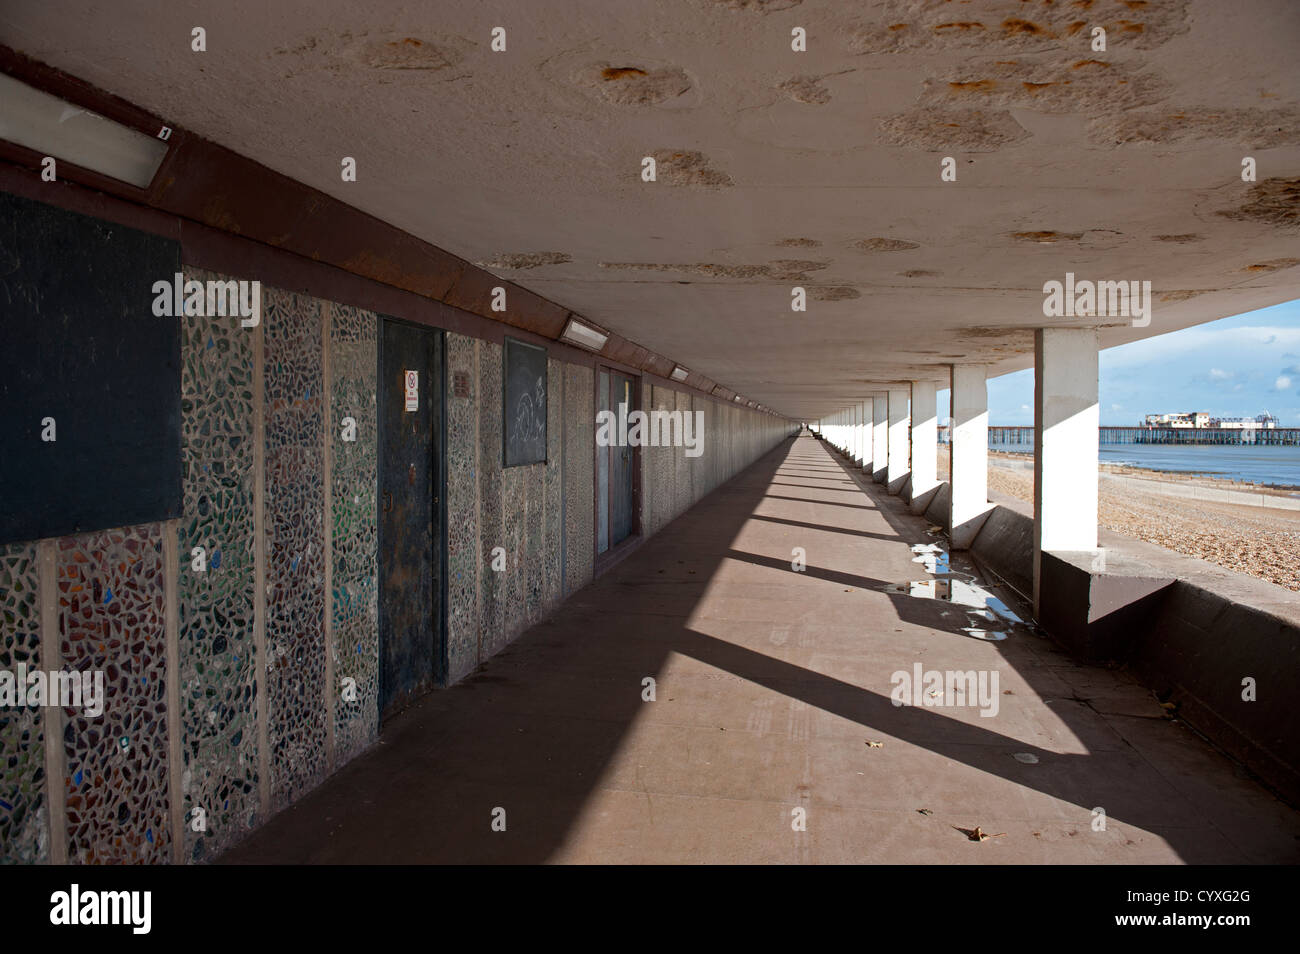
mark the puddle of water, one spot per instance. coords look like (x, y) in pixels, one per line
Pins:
(991, 618)
(934, 558)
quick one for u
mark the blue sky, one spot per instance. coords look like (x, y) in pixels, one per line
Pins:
(1234, 367)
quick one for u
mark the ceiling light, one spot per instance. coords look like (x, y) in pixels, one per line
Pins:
(679, 373)
(54, 127)
(585, 336)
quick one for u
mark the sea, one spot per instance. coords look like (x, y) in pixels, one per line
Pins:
(1267, 465)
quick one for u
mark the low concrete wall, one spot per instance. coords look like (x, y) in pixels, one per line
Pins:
(1005, 545)
(1195, 633)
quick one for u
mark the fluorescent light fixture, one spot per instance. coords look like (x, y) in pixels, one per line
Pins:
(585, 336)
(679, 373)
(54, 127)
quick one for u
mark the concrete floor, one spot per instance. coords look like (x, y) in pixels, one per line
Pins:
(770, 685)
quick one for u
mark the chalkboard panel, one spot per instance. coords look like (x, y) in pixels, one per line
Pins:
(524, 403)
(79, 344)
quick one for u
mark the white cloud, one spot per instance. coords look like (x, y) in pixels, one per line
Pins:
(1242, 343)
(1282, 383)
(1218, 374)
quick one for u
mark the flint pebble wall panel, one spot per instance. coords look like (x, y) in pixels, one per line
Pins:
(682, 463)
(354, 607)
(553, 488)
(295, 639)
(579, 467)
(492, 588)
(215, 539)
(462, 507)
(24, 819)
(111, 620)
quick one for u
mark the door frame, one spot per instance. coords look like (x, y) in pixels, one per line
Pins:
(616, 552)
(437, 447)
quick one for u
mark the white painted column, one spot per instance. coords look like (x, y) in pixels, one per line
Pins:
(1065, 443)
(899, 441)
(925, 440)
(969, 475)
(857, 434)
(853, 436)
(879, 435)
(864, 434)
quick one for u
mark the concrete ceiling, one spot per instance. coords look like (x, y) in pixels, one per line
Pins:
(775, 168)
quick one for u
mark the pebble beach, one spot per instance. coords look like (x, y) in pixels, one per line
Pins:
(1261, 542)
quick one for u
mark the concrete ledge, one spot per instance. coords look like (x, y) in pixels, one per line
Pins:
(1092, 606)
(920, 502)
(937, 511)
(1005, 544)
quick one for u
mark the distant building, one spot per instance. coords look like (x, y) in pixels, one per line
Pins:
(1179, 419)
(1265, 420)
(1202, 419)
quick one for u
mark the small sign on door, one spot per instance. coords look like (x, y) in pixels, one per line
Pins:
(412, 390)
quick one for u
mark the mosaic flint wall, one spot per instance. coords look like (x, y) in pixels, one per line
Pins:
(275, 687)
(354, 559)
(519, 509)
(24, 823)
(217, 659)
(111, 620)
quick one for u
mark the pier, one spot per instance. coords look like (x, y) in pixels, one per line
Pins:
(1002, 436)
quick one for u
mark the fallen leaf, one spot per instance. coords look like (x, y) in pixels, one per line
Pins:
(1027, 757)
(924, 811)
(978, 834)
(875, 745)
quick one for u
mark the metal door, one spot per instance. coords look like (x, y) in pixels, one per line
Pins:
(411, 647)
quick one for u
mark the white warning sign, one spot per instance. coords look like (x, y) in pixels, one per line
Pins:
(412, 390)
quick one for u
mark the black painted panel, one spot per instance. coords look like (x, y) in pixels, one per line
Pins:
(409, 585)
(79, 343)
(524, 403)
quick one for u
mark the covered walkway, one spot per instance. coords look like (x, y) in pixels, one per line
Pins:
(772, 694)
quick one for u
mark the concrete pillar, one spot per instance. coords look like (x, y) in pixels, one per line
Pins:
(925, 440)
(1065, 444)
(879, 436)
(853, 433)
(899, 441)
(864, 432)
(969, 475)
(857, 434)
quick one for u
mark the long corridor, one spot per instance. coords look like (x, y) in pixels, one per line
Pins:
(768, 734)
